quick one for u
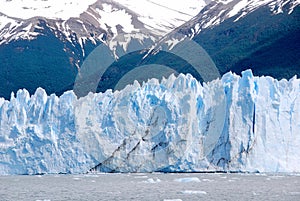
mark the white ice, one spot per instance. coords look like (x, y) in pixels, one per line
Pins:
(231, 124)
(188, 179)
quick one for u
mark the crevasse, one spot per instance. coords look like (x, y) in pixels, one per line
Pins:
(234, 123)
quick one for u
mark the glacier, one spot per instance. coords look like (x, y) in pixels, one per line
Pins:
(235, 123)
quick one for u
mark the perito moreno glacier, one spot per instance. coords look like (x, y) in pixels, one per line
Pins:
(235, 123)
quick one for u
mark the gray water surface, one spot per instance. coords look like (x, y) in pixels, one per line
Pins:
(166, 187)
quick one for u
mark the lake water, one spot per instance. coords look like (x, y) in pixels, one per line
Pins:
(165, 187)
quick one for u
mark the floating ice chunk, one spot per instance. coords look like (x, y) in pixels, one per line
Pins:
(208, 180)
(194, 192)
(188, 179)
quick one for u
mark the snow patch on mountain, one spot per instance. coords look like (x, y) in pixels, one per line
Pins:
(231, 124)
(6, 21)
(14, 29)
(113, 18)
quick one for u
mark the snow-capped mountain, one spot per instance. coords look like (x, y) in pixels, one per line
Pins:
(220, 10)
(69, 30)
(94, 21)
(62, 35)
(114, 17)
(217, 11)
(231, 124)
(259, 34)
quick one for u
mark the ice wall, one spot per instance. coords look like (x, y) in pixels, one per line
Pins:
(233, 124)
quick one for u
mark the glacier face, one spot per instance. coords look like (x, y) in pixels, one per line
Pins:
(231, 124)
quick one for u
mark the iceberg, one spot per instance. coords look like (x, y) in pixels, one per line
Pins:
(235, 123)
